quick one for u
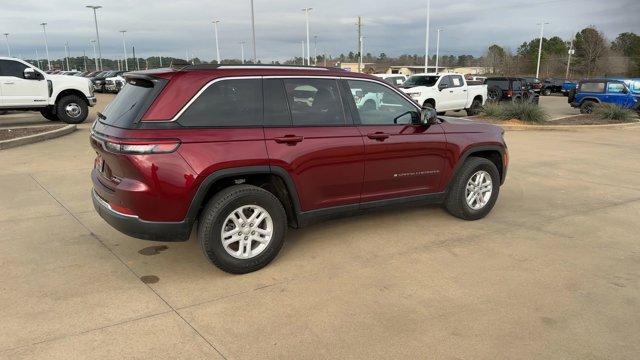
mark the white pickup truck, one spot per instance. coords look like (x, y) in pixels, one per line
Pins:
(445, 92)
(57, 97)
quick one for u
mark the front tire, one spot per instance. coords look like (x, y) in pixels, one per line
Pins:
(587, 107)
(475, 108)
(72, 109)
(475, 189)
(546, 92)
(242, 229)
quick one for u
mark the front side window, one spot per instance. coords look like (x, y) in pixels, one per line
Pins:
(12, 68)
(314, 102)
(594, 87)
(226, 103)
(615, 88)
(379, 105)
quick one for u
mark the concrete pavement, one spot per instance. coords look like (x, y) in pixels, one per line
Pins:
(553, 272)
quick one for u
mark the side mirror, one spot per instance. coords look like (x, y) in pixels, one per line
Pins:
(30, 74)
(428, 116)
(442, 86)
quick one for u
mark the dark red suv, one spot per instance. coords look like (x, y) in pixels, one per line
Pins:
(245, 151)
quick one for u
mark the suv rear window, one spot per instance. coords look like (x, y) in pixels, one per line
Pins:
(501, 84)
(130, 103)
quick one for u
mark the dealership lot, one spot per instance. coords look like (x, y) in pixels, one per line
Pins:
(552, 272)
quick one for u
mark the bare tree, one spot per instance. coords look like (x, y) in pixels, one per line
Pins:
(591, 47)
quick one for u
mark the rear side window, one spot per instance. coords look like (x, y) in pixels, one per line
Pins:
(594, 87)
(517, 85)
(12, 68)
(314, 102)
(501, 84)
(226, 103)
(457, 81)
(130, 103)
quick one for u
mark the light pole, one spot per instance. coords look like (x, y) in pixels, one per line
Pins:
(66, 54)
(571, 52)
(95, 56)
(303, 52)
(438, 49)
(426, 45)
(215, 32)
(95, 20)
(542, 24)
(46, 44)
(124, 48)
(160, 58)
(306, 11)
(242, 51)
(38, 59)
(253, 34)
(315, 50)
(6, 37)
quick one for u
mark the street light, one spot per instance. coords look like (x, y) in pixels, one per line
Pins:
(542, 24)
(315, 50)
(426, 45)
(438, 49)
(306, 11)
(253, 34)
(124, 48)
(215, 31)
(46, 44)
(6, 37)
(95, 20)
(242, 51)
(66, 54)
(95, 56)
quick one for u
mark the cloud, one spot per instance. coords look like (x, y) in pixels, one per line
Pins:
(173, 27)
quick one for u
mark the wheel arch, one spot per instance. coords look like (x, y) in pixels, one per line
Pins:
(493, 153)
(67, 92)
(431, 101)
(271, 178)
(589, 98)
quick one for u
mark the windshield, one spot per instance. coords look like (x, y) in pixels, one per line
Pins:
(421, 80)
(130, 102)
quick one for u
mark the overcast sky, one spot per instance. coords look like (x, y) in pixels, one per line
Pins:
(171, 27)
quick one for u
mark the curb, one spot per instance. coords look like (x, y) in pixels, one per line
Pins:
(566, 127)
(31, 139)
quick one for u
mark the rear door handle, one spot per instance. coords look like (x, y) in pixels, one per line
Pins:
(8, 82)
(289, 139)
(378, 136)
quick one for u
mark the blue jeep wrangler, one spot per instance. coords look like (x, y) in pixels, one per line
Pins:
(591, 92)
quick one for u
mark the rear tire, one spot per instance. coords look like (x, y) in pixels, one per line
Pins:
(242, 253)
(546, 92)
(456, 202)
(476, 107)
(587, 107)
(72, 109)
(48, 114)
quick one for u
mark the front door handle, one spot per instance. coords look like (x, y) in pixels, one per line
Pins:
(8, 82)
(289, 139)
(380, 136)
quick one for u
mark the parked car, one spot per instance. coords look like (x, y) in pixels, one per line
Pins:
(92, 74)
(246, 151)
(568, 86)
(114, 84)
(533, 83)
(100, 80)
(592, 92)
(393, 79)
(552, 86)
(510, 89)
(480, 79)
(57, 97)
(445, 92)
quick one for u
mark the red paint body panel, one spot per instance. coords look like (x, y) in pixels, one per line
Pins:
(329, 166)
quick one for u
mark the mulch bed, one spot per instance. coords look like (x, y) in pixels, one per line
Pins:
(572, 120)
(8, 134)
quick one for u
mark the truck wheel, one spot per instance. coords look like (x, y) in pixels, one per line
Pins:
(475, 189)
(587, 107)
(242, 229)
(475, 108)
(494, 93)
(72, 109)
(546, 92)
(48, 114)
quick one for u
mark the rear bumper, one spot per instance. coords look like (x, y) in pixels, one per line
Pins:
(132, 225)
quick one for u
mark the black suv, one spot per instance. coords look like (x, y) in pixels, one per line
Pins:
(509, 89)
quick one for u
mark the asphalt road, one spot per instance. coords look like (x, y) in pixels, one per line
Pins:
(552, 273)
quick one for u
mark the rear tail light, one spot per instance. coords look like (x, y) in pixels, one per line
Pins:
(510, 93)
(137, 146)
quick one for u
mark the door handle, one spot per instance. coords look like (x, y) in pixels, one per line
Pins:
(289, 139)
(450, 91)
(380, 136)
(8, 82)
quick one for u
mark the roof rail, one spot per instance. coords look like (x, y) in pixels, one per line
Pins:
(183, 65)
